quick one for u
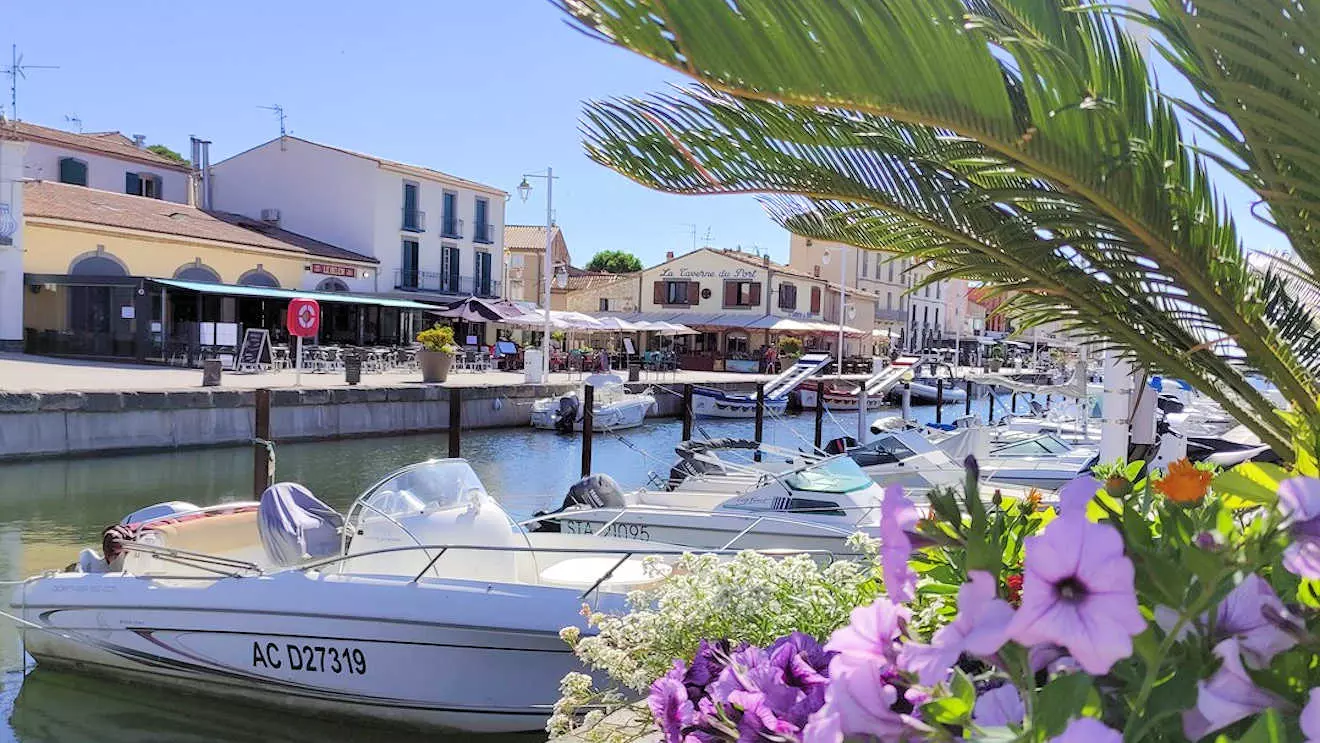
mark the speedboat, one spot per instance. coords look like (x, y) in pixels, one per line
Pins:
(1034, 459)
(925, 390)
(424, 606)
(613, 407)
(709, 402)
(841, 396)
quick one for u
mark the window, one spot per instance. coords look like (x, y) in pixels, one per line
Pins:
(481, 280)
(482, 234)
(815, 300)
(675, 292)
(449, 223)
(604, 304)
(332, 284)
(409, 276)
(891, 271)
(742, 293)
(142, 184)
(889, 300)
(412, 218)
(866, 262)
(735, 344)
(939, 288)
(449, 259)
(259, 277)
(73, 171)
(937, 317)
(787, 296)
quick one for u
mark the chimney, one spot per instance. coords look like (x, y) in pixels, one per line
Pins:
(669, 255)
(206, 173)
(195, 184)
(765, 261)
(140, 141)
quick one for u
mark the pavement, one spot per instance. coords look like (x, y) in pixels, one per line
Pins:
(25, 373)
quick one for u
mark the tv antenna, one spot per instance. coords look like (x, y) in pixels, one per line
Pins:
(692, 230)
(17, 70)
(279, 114)
(706, 239)
(73, 119)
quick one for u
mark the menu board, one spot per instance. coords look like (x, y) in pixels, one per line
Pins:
(226, 334)
(254, 355)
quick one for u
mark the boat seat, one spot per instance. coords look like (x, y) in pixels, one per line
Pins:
(583, 572)
(231, 534)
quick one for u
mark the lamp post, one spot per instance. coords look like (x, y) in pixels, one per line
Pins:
(843, 297)
(525, 190)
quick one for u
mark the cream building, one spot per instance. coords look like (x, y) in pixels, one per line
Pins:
(598, 291)
(884, 275)
(524, 260)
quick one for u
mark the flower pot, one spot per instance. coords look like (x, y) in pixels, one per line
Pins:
(994, 365)
(435, 365)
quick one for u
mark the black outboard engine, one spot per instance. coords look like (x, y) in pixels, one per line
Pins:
(840, 445)
(1037, 409)
(567, 415)
(1169, 404)
(592, 491)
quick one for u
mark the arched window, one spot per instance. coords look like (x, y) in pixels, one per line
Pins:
(332, 285)
(98, 264)
(259, 277)
(197, 271)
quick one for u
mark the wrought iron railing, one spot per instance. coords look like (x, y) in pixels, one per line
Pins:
(445, 283)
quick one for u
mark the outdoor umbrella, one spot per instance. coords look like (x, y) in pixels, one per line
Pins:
(473, 309)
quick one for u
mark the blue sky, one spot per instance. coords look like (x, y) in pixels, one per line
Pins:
(486, 90)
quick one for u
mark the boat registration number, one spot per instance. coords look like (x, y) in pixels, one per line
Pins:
(342, 660)
(623, 531)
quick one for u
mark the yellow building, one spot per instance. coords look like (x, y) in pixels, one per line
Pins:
(113, 274)
(524, 253)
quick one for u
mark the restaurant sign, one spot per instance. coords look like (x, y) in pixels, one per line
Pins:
(696, 273)
(330, 269)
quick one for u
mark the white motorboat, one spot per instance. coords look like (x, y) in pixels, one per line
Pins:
(842, 396)
(709, 402)
(925, 392)
(613, 407)
(425, 606)
(1032, 459)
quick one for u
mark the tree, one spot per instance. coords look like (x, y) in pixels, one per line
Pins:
(1018, 143)
(614, 261)
(164, 151)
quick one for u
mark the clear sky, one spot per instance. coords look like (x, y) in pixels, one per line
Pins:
(485, 90)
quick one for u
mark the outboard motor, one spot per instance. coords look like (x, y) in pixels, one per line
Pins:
(1170, 404)
(1037, 410)
(840, 445)
(567, 414)
(592, 491)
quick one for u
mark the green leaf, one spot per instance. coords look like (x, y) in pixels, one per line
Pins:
(1268, 728)
(1308, 593)
(1061, 700)
(1247, 482)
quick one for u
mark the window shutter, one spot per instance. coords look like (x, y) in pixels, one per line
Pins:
(730, 293)
(815, 300)
(454, 258)
(694, 293)
(658, 292)
(132, 184)
(756, 294)
(73, 171)
(159, 190)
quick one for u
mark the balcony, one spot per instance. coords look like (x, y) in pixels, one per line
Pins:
(484, 234)
(414, 220)
(890, 315)
(451, 228)
(440, 283)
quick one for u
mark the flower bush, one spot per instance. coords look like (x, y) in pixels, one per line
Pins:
(1179, 607)
(437, 338)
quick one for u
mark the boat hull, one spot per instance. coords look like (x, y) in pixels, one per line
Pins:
(422, 655)
(719, 404)
(839, 401)
(923, 392)
(612, 417)
(715, 530)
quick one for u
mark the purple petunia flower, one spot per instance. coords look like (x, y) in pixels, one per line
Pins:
(872, 632)
(980, 629)
(999, 707)
(1242, 614)
(859, 702)
(670, 706)
(1087, 730)
(1228, 696)
(1311, 717)
(898, 517)
(1077, 494)
(772, 692)
(1079, 593)
(1299, 500)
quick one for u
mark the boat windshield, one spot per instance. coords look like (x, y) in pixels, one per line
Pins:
(430, 486)
(837, 475)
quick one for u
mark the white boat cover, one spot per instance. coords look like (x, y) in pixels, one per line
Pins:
(295, 526)
(1074, 388)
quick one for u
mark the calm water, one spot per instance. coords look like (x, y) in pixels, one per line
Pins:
(51, 509)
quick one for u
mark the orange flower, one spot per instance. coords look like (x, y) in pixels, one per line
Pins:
(1033, 499)
(1183, 483)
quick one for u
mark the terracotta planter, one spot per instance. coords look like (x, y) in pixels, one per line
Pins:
(435, 365)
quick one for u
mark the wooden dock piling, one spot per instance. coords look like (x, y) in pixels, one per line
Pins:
(939, 399)
(687, 412)
(968, 405)
(820, 414)
(261, 445)
(588, 424)
(455, 421)
(760, 417)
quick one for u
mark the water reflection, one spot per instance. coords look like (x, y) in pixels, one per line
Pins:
(51, 509)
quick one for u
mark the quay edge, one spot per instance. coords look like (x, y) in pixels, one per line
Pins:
(71, 424)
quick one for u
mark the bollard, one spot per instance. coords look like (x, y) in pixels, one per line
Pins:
(820, 414)
(907, 401)
(261, 445)
(967, 401)
(588, 424)
(687, 412)
(939, 399)
(760, 417)
(455, 420)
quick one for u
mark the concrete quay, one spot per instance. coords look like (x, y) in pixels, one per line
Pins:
(95, 414)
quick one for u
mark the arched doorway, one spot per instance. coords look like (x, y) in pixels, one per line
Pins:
(101, 311)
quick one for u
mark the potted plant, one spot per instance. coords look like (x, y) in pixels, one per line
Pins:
(437, 354)
(790, 348)
(996, 358)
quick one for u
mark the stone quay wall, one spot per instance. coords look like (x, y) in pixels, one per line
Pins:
(58, 424)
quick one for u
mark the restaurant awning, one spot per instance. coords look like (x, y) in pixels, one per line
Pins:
(263, 292)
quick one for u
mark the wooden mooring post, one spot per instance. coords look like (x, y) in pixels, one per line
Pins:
(687, 412)
(588, 424)
(262, 447)
(760, 417)
(820, 414)
(455, 422)
(939, 399)
(990, 405)
(1013, 409)
(968, 402)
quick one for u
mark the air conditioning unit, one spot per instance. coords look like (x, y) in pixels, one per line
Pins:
(270, 215)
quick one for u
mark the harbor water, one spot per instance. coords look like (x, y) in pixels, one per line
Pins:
(49, 510)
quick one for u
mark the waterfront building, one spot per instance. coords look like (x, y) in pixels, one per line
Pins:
(883, 274)
(436, 237)
(524, 253)
(107, 161)
(598, 291)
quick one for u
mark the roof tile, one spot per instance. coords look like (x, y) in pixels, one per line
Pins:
(112, 144)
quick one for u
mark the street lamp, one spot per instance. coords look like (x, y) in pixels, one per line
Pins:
(547, 263)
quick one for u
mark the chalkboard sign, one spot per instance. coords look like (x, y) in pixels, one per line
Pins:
(255, 352)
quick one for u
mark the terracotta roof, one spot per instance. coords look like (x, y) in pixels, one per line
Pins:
(111, 144)
(759, 262)
(525, 236)
(579, 280)
(50, 200)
